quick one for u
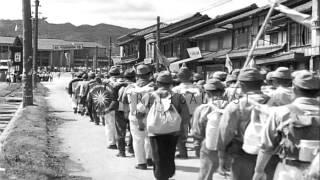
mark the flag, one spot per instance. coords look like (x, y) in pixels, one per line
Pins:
(252, 63)
(161, 58)
(228, 64)
(16, 28)
(301, 18)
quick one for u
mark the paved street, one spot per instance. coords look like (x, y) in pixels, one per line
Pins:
(85, 143)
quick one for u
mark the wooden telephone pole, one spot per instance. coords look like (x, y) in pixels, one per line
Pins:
(157, 44)
(35, 45)
(27, 52)
(110, 51)
(315, 36)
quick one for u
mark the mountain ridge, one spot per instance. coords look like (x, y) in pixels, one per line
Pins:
(99, 33)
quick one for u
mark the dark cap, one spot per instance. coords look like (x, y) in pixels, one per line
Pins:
(219, 75)
(129, 73)
(231, 77)
(164, 77)
(85, 76)
(281, 73)
(92, 75)
(143, 69)
(184, 74)
(197, 77)
(114, 71)
(306, 80)
(250, 74)
(213, 84)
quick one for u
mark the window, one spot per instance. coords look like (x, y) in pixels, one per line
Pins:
(299, 35)
(274, 38)
(220, 42)
(241, 37)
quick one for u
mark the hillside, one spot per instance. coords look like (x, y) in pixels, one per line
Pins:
(99, 33)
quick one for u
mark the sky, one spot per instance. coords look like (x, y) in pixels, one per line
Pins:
(125, 13)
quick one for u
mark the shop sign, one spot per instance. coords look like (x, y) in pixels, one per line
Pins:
(194, 52)
(67, 47)
(17, 57)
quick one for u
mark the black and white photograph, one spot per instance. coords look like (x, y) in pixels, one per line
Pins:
(160, 90)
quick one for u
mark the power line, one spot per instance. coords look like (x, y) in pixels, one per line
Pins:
(211, 6)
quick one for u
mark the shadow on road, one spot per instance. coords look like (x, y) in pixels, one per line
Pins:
(187, 169)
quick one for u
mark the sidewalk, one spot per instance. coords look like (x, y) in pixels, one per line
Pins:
(85, 144)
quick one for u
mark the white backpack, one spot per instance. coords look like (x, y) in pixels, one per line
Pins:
(253, 133)
(163, 117)
(212, 128)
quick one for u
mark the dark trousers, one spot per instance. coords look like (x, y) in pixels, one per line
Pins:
(163, 151)
(121, 127)
(243, 164)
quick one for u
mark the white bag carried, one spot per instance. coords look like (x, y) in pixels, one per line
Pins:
(212, 128)
(253, 133)
(163, 118)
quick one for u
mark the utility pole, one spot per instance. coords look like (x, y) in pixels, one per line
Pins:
(94, 61)
(315, 36)
(157, 45)
(27, 52)
(110, 51)
(35, 45)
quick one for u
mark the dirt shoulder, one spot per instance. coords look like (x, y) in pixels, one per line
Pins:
(29, 151)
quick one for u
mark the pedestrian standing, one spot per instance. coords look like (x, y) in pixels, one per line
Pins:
(234, 125)
(122, 121)
(281, 80)
(132, 96)
(72, 91)
(164, 136)
(209, 113)
(293, 132)
(193, 96)
(110, 117)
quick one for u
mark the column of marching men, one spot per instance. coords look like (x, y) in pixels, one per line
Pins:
(245, 125)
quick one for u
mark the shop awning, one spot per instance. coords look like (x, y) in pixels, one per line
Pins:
(186, 60)
(129, 61)
(291, 56)
(257, 52)
(219, 54)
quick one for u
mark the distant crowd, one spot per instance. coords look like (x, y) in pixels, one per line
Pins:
(245, 125)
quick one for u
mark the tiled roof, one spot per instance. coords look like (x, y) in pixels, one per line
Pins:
(210, 32)
(244, 15)
(212, 21)
(256, 52)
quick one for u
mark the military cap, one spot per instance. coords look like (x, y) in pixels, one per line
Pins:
(101, 76)
(79, 74)
(281, 73)
(201, 82)
(184, 74)
(114, 71)
(306, 80)
(129, 73)
(250, 74)
(269, 76)
(219, 75)
(197, 77)
(231, 77)
(92, 75)
(236, 72)
(85, 76)
(143, 69)
(213, 84)
(164, 77)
